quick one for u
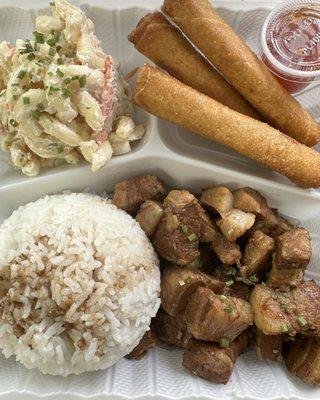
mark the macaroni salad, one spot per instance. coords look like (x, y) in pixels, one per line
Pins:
(61, 96)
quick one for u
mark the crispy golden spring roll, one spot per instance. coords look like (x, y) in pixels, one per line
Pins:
(164, 96)
(242, 69)
(164, 44)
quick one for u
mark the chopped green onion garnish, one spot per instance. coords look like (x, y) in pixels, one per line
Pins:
(66, 93)
(229, 309)
(26, 100)
(284, 306)
(21, 74)
(254, 278)
(301, 321)
(29, 47)
(56, 35)
(223, 297)
(15, 97)
(67, 81)
(82, 81)
(232, 271)
(52, 42)
(229, 282)
(192, 237)
(13, 122)
(290, 339)
(280, 358)
(40, 107)
(39, 37)
(52, 51)
(284, 328)
(31, 56)
(60, 61)
(35, 114)
(3, 93)
(184, 229)
(60, 73)
(53, 88)
(75, 78)
(275, 296)
(224, 343)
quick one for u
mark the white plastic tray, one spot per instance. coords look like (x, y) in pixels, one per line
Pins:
(182, 160)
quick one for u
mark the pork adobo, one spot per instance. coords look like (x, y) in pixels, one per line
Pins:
(303, 359)
(212, 317)
(232, 274)
(292, 255)
(178, 284)
(257, 255)
(131, 193)
(269, 347)
(171, 330)
(212, 361)
(289, 311)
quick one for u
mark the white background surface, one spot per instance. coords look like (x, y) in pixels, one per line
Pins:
(180, 159)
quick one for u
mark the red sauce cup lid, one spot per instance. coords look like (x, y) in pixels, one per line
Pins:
(290, 40)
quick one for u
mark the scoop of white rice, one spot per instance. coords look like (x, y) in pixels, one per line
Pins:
(79, 284)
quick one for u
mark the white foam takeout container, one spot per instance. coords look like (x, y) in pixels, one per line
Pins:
(181, 159)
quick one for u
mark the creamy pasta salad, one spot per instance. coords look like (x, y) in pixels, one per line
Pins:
(61, 96)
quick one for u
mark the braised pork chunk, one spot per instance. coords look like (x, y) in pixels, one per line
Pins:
(212, 317)
(184, 224)
(178, 284)
(131, 193)
(291, 256)
(303, 359)
(235, 223)
(171, 330)
(149, 216)
(211, 361)
(217, 199)
(272, 224)
(284, 277)
(228, 252)
(269, 347)
(293, 249)
(257, 255)
(249, 200)
(287, 311)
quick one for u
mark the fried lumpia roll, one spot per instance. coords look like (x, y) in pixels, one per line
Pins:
(163, 44)
(166, 97)
(241, 68)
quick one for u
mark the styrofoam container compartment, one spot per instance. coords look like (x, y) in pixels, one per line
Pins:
(181, 159)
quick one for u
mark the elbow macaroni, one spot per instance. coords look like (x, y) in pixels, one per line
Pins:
(61, 96)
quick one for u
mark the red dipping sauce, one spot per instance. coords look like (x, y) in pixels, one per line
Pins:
(290, 43)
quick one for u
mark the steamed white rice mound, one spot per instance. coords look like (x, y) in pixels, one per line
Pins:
(79, 284)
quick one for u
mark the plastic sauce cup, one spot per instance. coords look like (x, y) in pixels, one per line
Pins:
(290, 43)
